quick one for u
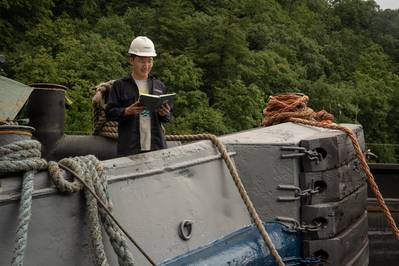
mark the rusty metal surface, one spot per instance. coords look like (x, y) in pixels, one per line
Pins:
(13, 97)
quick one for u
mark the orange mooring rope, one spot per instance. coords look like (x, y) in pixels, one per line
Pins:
(283, 106)
(291, 107)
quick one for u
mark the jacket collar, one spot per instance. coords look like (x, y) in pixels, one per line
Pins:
(150, 82)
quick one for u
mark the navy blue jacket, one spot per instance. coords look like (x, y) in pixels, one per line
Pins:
(124, 92)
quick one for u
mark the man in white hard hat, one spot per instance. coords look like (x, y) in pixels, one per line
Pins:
(139, 129)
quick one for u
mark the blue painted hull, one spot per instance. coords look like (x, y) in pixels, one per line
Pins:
(245, 247)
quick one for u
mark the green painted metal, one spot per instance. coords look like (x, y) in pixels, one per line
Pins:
(13, 96)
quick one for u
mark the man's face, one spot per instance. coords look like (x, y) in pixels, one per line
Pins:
(142, 66)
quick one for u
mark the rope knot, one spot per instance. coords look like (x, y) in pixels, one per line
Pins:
(91, 172)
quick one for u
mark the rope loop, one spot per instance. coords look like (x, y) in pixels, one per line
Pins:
(17, 157)
(92, 173)
(59, 177)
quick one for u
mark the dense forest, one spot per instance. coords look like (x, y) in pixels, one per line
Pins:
(223, 58)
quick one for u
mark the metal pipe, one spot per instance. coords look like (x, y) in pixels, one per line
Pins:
(46, 110)
(46, 107)
(75, 145)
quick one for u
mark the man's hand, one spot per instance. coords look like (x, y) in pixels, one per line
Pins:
(164, 110)
(133, 109)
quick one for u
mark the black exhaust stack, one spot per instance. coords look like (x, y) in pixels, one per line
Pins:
(46, 111)
(46, 114)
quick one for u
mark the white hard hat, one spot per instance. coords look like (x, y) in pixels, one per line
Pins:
(142, 46)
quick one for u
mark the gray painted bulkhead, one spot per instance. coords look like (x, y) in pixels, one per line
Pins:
(262, 168)
(153, 192)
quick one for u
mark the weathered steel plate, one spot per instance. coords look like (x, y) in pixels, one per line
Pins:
(335, 216)
(334, 147)
(261, 172)
(13, 97)
(334, 184)
(344, 247)
(152, 194)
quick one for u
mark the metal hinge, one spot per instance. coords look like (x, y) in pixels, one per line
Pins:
(296, 226)
(312, 155)
(298, 192)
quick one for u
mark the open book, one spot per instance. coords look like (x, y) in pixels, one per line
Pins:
(153, 102)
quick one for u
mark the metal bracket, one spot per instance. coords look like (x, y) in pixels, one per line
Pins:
(296, 226)
(298, 192)
(312, 155)
(185, 229)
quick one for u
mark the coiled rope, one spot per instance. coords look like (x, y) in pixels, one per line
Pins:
(105, 208)
(18, 157)
(89, 168)
(104, 128)
(25, 156)
(101, 125)
(291, 107)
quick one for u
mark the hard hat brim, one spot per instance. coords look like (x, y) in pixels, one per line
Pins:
(144, 54)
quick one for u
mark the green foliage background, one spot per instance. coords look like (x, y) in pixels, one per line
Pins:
(222, 57)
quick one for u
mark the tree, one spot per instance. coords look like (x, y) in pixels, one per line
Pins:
(16, 17)
(217, 55)
(75, 58)
(219, 52)
(355, 14)
(179, 73)
(193, 115)
(241, 105)
(271, 73)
